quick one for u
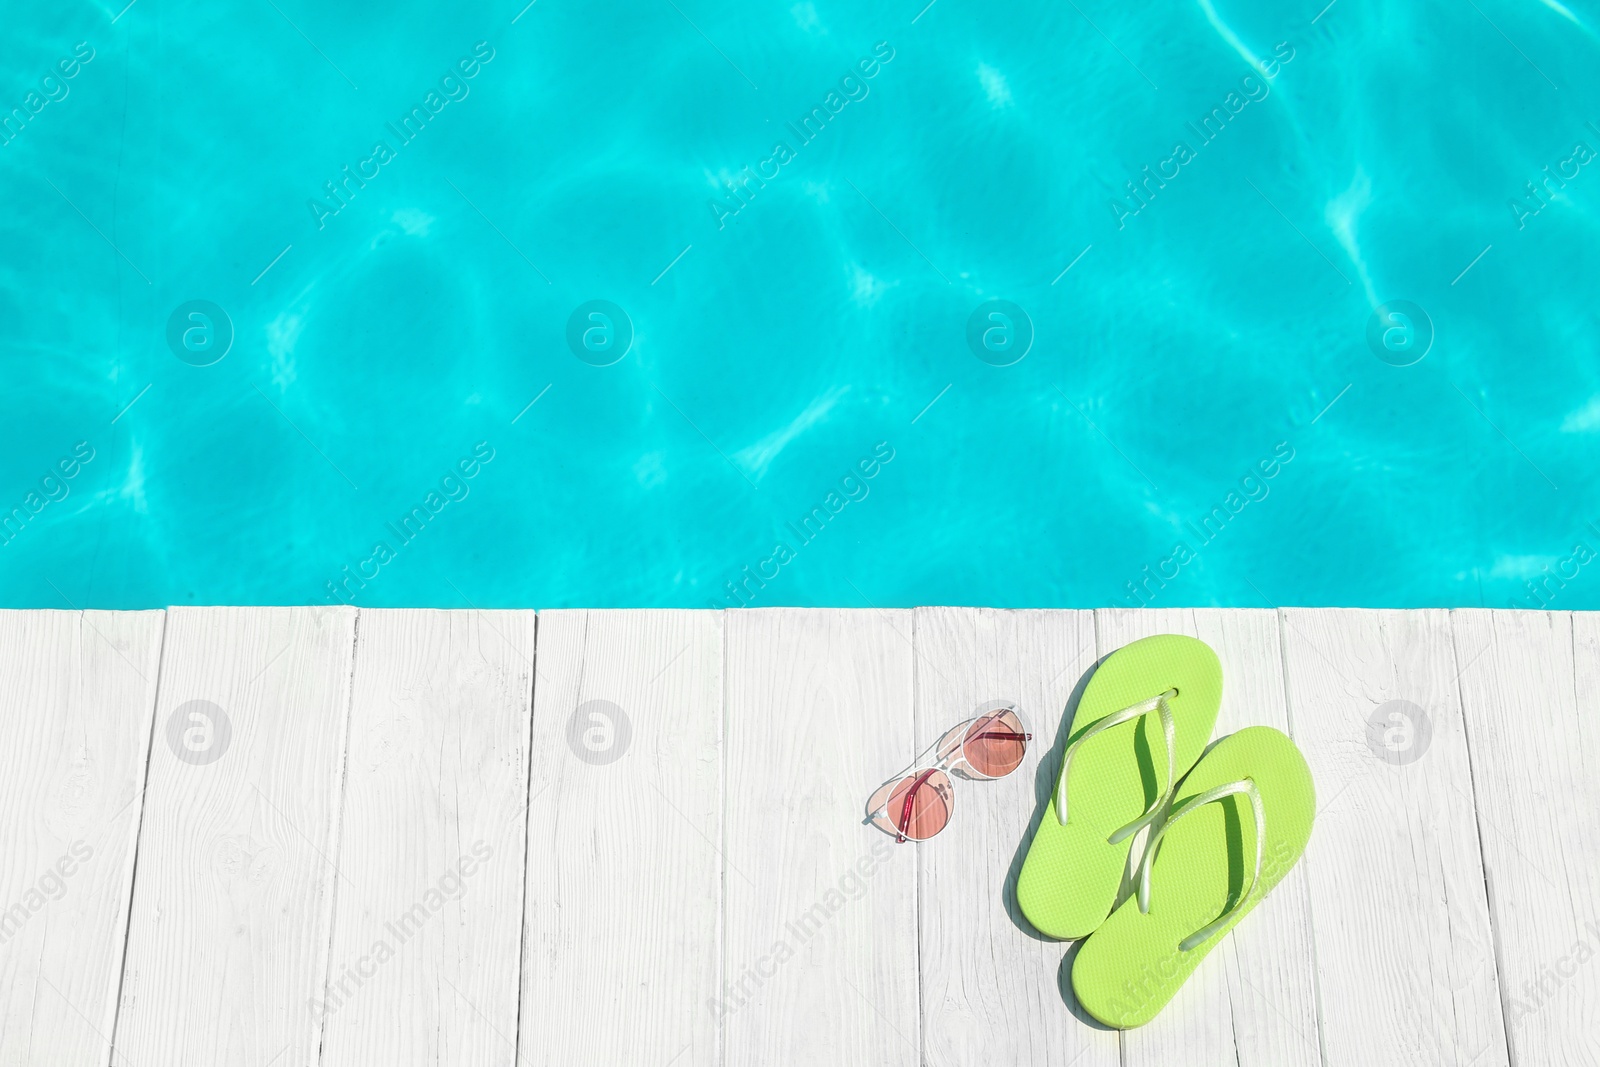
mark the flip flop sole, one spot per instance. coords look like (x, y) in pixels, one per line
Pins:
(1134, 964)
(1071, 875)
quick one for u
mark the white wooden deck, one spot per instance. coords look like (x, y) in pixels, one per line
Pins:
(635, 837)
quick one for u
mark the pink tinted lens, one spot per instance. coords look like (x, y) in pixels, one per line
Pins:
(995, 744)
(919, 807)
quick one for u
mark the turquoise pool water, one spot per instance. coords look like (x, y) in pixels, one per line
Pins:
(679, 302)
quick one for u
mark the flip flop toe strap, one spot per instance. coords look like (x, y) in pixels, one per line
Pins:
(1243, 786)
(1169, 730)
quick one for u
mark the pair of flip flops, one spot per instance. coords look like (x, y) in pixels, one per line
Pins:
(1215, 828)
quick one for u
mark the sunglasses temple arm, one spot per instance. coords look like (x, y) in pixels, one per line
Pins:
(905, 811)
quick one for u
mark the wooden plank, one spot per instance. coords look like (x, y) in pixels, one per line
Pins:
(1252, 1001)
(1376, 710)
(427, 930)
(764, 929)
(994, 990)
(1533, 730)
(624, 872)
(77, 692)
(228, 941)
(821, 913)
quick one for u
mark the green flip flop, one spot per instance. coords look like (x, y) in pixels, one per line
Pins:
(1240, 821)
(1144, 718)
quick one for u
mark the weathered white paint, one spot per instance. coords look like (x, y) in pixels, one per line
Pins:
(1533, 730)
(624, 872)
(234, 888)
(820, 958)
(429, 900)
(77, 691)
(992, 986)
(712, 896)
(1405, 957)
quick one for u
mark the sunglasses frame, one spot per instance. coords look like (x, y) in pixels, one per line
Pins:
(948, 755)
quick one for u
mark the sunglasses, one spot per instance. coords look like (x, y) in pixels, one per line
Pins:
(918, 802)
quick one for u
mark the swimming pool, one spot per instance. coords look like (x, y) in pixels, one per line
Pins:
(688, 304)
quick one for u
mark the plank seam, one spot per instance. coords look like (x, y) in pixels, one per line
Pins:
(527, 849)
(527, 843)
(337, 828)
(1477, 825)
(724, 721)
(1281, 622)
(138, 831)
(916, 746)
